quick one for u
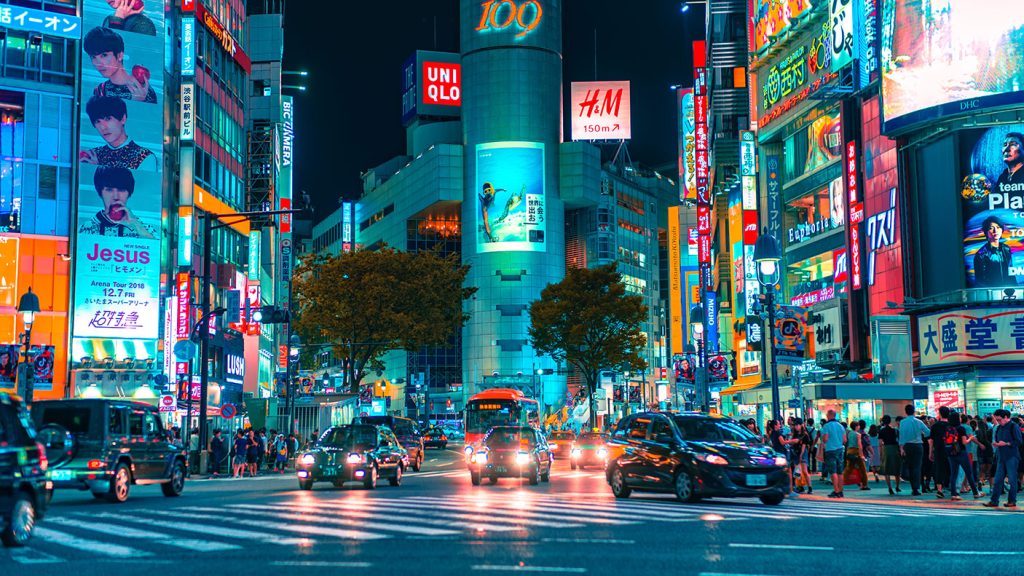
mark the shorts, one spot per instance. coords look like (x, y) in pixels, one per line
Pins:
(250, 458)
(239, 460)
(834, 462)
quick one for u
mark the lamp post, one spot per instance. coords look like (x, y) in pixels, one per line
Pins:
(28, 305)
(698, 321)
(767, 255)
(294, 342)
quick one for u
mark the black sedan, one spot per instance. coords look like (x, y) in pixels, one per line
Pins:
(693, 456)
(435, 438)
(511, 452)
(588, 450)
(353, 453)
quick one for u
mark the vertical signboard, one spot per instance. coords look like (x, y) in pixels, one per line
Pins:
(255, 244)
(866, 12)
(774, 208)
(702, 169)
(347, 240)
(510, 197)
(284, 197)
(853, 200)
(687, 147)
(711, 313)
(600, 110)
(884, 243)
(188, 46)
(675, 271)
(117, 260)
(841, 24)
(187, 111)
(748, 179)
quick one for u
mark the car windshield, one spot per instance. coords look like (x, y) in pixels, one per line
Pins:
(707, 430)
(73, 418)
(508, 438)
(562, 436)
(404, 428)
(351, 437)
(590, 437)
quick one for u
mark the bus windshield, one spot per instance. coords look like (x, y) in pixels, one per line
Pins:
(482, 415)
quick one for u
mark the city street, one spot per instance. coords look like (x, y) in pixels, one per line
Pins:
(437, 523)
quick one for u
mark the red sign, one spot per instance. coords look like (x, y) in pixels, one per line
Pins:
(188, 5)
(168, 403)
(442, 83)
(851, 171)
(857, 213)
(813, 297)
(853, 243)
(182, 293)
(282, 356)
(221, 34)
(840, 267)
(703, 219)
(750, 227)
(286, 219)
(704, 248)
(855, 257)
(950, 398)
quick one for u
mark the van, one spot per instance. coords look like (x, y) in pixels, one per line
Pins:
(406, 431)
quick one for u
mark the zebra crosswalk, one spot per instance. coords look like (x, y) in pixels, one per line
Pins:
(462, 473)
(156, 534)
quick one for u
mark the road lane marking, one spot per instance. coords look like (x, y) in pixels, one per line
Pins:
(980, 553)
(782, 547)
(358, 510)
(503, 516)
(126, 532)
(86, 545)
(202, 528)
(728, 574)
(508, 511)
(29, 556)
(587, 541)
(429, 509)
(309, 515)
(517, 568)
(320, 564)
(272, 526)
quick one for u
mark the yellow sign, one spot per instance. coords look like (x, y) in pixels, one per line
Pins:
(675, 280)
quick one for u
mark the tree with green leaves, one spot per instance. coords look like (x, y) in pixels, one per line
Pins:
(366, 303)
(589, 322)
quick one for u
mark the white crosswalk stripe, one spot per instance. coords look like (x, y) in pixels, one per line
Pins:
(298, 523)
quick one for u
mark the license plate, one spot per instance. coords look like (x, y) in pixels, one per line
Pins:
(757, 480)
(330, 471)
(500, 469)
(62, 475)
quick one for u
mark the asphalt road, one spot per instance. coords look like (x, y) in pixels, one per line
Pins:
(438, 523)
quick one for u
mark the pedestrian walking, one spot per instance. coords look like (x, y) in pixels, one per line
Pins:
(280, 453)
(813, 435)
(832, 436)
(261, 450)
(251, 453)
(874, 450)
(891, 463)
(217, 453)
(1008, 443)
(193, 452)
(855, 457)
(940, 468)
(955, 445)
(983, 434)
(239, 448)
(293, 447)
(802, 453)
(911, 438)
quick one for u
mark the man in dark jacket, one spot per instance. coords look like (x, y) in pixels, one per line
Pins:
(1007, 442)
(217, 453)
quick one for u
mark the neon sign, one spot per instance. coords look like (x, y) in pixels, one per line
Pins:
(496, 17)
(806, 67)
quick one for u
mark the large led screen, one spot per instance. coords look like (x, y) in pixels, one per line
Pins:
(117, 261)
(949, 56)
(992, 196)
(510, 191)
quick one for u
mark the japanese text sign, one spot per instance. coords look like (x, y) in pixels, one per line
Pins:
(979, 336)
(41, 21)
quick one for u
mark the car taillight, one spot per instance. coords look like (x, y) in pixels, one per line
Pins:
(96, 464)
(43, 462)
(444, 437)
(355, 458)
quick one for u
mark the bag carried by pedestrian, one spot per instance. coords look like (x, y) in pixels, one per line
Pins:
(952, 441)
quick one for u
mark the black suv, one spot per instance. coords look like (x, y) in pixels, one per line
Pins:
(353, 453)
(23, 485)
(693, 456)
(110, 444)
(406, 431)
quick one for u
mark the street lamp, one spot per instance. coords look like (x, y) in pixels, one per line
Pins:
(767, 255)
(697, 323)
(28, 305)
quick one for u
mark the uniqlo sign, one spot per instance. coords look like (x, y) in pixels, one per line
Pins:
(182, 292)
(442, 83)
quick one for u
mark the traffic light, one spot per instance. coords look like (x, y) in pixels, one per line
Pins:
(270, 315)
(545, 371)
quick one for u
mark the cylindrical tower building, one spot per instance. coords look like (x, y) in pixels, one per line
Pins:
(513, 217)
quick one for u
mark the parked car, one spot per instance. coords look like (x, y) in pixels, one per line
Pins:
(435, 438)
(511, 452)
(406, 431)
(588, 450)
(111, 445)
(693, 456)
(560, 442)
(353, 453)
(24, 489)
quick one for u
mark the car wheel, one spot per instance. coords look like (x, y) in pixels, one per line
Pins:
(396, 480)
(443, 446)
(18, 529)
(683, 487)
(177, 483)
(546, 476)
(618, 484)
(535, 476)
(371, 478)
(305, 484)
(773, 500)
(492, 480)
(572, 466)
(474, 478)
(120, 484)
(418, 463)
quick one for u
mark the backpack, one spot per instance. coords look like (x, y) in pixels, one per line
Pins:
(952, 440)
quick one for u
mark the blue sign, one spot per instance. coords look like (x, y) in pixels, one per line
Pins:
(774, 197)
(711, 314)
(188, 46)
(794, 403)
(18, 18)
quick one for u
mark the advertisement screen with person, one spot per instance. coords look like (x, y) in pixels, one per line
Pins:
(992, 191)
(510, 197)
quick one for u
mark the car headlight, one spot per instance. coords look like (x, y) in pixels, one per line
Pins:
(576, 452)
(468, 450)
(602, 452)
(523, 458)
(713, 459)
(781, 461)
(553, 446)
(479, 458)
(354, 458)
(308, 459)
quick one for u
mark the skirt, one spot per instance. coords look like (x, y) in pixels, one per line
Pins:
(892, 462)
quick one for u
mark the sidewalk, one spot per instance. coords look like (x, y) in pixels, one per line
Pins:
(879, 494)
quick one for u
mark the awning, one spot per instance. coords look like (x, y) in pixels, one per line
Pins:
(738, 388)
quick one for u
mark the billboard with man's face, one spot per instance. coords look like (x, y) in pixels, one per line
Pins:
(509, 190)
(117, 260)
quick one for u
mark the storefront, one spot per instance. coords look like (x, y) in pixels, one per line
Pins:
(851, 401)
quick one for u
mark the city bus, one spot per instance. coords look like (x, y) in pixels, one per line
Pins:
(498, 407)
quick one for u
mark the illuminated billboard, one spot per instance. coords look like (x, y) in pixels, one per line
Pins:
(117, 259)
(431, 85)
(773, 18)
(687, 147)
(948, 57)
(600, 110)
(509, 190)
(992, 201)
(884, 269)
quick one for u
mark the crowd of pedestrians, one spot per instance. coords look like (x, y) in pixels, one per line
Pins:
(246, 453)
(952, 453)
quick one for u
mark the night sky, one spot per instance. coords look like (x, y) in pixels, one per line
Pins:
(349, 119)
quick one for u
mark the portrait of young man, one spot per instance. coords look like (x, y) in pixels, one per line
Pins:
(108, 116)
(128, 17)
(115, 185)
(106, 52)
